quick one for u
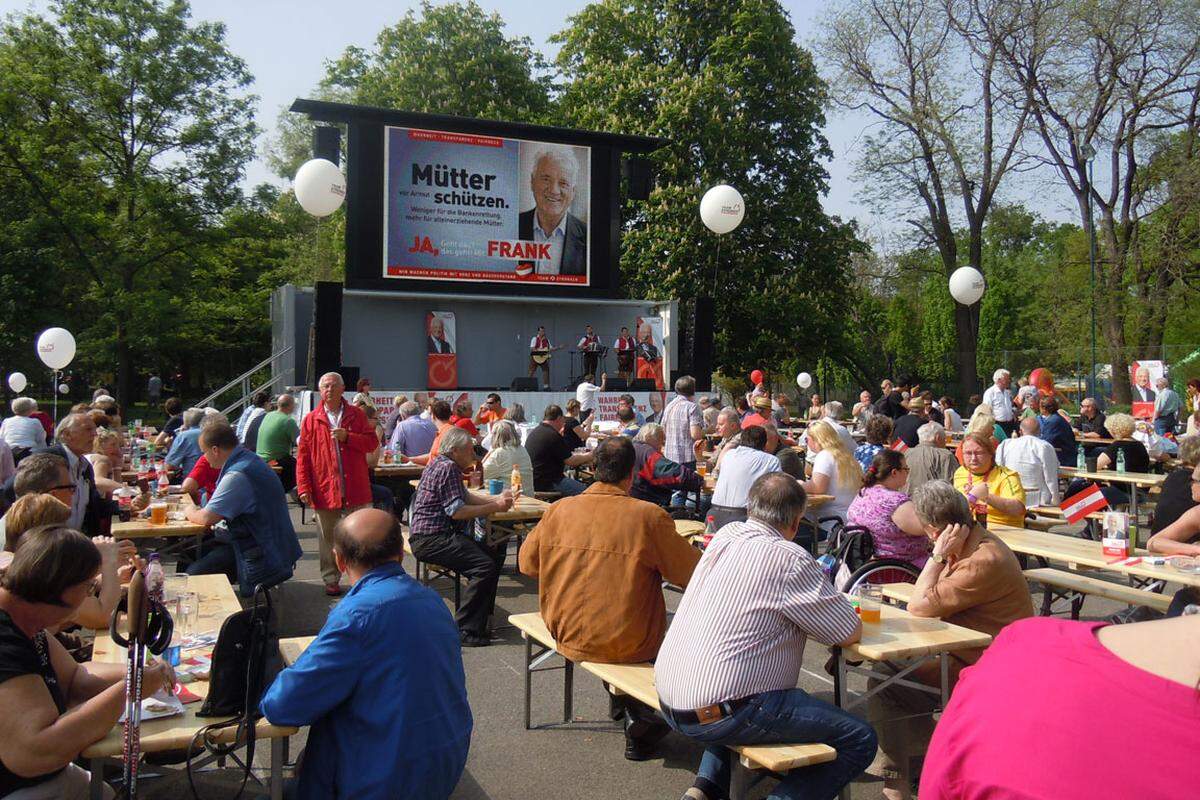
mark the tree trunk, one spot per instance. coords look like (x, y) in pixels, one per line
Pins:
(965, 330)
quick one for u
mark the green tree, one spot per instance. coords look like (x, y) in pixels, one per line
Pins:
(130, 125)
(738, 102)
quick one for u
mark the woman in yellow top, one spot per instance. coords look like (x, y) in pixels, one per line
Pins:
(987, 484)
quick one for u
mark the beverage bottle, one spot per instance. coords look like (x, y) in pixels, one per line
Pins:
(164, 483)
(514, 481)
(710, 529)
(1120, 461)
(1133, 533)
(1080, 459)
(155, 578)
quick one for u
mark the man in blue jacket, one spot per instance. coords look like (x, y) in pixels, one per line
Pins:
(382, 686)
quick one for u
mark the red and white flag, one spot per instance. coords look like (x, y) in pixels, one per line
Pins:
(899, 446)
(1080, 504)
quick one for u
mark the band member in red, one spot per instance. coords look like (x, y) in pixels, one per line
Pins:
(589, 345)
(624, 346)
(539, 355)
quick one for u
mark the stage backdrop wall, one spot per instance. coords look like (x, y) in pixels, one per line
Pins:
(384, 333)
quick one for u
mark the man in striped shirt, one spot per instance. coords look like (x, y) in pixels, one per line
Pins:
(727, 670)
(684, 426)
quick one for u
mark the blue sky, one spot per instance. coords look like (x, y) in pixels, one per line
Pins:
(286, 42)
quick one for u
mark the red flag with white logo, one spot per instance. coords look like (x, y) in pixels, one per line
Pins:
(1080, 504)
(899, 446)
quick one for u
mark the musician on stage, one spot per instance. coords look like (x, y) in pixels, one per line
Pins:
(539, 356)
(624, 346)
(589, 345)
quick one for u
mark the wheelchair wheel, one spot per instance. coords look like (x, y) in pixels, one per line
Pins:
(881, 571)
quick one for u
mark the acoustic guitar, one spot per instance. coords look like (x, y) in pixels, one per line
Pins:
(542, 356)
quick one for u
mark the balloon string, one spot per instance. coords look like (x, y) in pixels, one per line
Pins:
(717, 266)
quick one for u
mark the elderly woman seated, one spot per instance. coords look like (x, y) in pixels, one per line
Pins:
(53, 706)
(886, 511)
(1181, 537)
(506, 453)
(971, 579)
(879, 432)
(1125, 449)
(21, 432)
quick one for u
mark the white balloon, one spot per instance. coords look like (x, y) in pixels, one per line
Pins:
(804, 380)
(967, 285)
(17, 382)
(56, 347)
(722, 208)
(63, 388)
(320, 187)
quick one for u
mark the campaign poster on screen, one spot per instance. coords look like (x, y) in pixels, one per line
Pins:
(461, 207)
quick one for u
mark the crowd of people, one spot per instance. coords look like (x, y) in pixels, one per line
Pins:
(726, 666)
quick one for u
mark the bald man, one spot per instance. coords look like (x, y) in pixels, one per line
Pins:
(382, 685)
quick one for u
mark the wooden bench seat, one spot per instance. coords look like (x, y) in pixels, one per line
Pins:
(1076, 587)
(637, 681)
(433, 571)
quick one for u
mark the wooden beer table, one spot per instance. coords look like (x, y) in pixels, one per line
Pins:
(1075, 553)
(502, 525)
(140, 527)
(1134, 480)
(217, 602)
(898, 636)
(397, 471)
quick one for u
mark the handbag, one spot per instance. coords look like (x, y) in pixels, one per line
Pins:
(245, 661)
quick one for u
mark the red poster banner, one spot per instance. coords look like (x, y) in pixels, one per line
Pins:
(442, 362)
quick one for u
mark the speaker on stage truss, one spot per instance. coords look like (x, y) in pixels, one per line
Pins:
(616, 385)
(702, 342)
(327, 143)
(639, 176)
(326, 342)
(522, 384)
(643, 385)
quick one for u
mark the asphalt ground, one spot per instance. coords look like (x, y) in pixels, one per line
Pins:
(583, 759)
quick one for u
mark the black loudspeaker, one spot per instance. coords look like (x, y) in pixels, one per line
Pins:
(350, 376)
(639, 176)
(522, 384)
(702, 342)
(616, 385)
(327, 143)
(643, 385)
(327, 330)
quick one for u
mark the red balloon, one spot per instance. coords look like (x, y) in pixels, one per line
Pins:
(756, 377)
(1043, 380)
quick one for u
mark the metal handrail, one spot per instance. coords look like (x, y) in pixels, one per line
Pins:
(246, 397)
(243, 377)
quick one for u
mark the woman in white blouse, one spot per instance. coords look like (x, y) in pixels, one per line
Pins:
(507, 451)
(22, 431)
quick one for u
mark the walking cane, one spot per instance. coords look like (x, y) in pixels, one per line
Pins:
(150, 628)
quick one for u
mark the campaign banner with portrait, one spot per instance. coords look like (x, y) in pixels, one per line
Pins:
(440, 341)
(462, 207)
(1143, 375)
(649, 349)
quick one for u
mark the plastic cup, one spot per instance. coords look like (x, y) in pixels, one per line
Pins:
(495, 486)
(158, 513)
(870, 600)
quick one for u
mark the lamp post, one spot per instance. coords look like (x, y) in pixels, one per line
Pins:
(1089, 154)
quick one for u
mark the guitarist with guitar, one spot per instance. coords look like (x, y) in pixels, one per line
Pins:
(539, 355)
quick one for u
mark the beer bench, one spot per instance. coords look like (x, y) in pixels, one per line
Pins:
(1071, 586)
(427, 573)
(637, 681)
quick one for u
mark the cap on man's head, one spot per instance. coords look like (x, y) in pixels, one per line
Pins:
(916, 404)
(762, 402)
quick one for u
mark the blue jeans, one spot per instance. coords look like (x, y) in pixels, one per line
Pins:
(569, 487)
(1165, 425)
(787, 716)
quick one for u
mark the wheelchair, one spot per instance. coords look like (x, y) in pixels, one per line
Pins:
(853, 547)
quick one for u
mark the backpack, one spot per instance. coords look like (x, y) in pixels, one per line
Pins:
(245, 661)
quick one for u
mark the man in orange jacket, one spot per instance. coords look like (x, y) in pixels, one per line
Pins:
(332, 477)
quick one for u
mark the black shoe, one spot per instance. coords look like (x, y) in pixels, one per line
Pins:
(641, 736)
(474, 640)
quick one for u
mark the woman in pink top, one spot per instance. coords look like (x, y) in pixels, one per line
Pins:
(1061, 710)
(887, 512)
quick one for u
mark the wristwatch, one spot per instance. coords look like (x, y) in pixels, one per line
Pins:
(937, 559)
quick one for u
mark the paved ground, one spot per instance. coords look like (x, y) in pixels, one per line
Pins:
(583, 760)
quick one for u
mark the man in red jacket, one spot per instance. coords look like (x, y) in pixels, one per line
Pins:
(331, 467)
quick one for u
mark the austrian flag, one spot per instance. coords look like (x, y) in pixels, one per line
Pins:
(1080, 504)
(899, 446)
